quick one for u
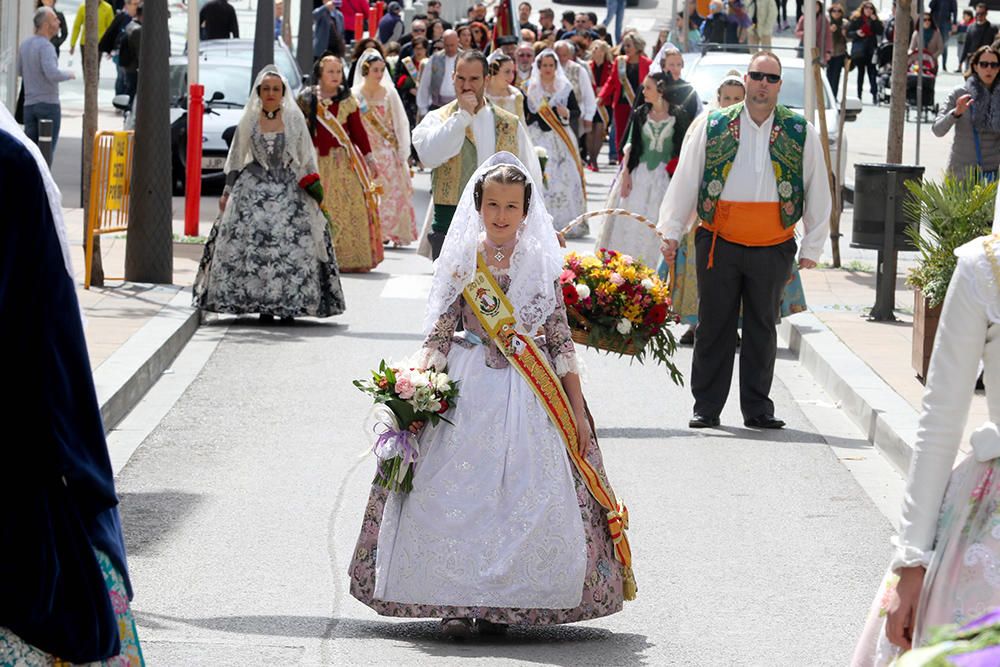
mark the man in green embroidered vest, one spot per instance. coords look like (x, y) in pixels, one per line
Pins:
(747, 174)
(455, 139)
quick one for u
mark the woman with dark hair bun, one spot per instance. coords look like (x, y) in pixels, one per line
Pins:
(649, 155)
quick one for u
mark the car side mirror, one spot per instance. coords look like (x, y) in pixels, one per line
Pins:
(219, 95)
(852, 107)
(121, 102)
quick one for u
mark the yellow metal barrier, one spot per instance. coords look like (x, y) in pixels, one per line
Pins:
(110, 186)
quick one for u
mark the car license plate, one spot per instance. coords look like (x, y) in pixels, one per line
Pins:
(213, 163)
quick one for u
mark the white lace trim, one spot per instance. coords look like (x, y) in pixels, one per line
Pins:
(566, 364)
(428, 357)
(974, 265)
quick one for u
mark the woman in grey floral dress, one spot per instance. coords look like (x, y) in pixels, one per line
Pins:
(270, 251)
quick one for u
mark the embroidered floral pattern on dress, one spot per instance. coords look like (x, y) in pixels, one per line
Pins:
(261, 256)
(557, 344)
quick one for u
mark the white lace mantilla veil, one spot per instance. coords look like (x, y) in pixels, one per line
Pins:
(536, 94)
(11, 126)
(534, 267)
(400, 122)
(657, 64)
(300, 155)
(299, 151)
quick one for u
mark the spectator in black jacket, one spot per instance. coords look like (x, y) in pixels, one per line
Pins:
(111, 41)
(864, 30)
(980, 33)
(218, 20)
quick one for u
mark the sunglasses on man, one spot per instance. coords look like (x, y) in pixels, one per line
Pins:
(760, 76)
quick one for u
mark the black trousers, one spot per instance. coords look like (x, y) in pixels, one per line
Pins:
(436, 240)
(741, 276)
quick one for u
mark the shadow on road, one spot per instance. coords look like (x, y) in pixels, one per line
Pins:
(550, 645)
(149, 518)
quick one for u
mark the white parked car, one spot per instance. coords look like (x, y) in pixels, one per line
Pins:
(705, 71)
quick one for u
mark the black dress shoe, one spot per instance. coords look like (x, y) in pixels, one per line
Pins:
(701, 421)
(764, 421)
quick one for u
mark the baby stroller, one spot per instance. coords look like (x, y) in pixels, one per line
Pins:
(883, 65)
(926, 63)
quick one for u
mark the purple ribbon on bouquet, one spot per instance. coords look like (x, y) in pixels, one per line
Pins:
(392, 443)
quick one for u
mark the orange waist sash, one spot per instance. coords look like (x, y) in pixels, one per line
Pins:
(748, 223)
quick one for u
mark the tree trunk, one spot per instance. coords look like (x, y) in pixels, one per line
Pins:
(897, 108)
(286, 24)
(91, 73)
(263, 38)
(149, 246)
(304, 49)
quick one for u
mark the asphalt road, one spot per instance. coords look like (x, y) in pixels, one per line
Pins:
(242, 507)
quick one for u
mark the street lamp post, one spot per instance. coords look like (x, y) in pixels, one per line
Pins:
(304, 49)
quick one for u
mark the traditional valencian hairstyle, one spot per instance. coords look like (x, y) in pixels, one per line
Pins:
(503, 174)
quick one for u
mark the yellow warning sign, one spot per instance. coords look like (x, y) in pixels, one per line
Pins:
(117, 172)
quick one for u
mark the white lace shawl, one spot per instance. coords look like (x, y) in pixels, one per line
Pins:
(534, 267)
(400, 123)
(300, 156)
(536, 93)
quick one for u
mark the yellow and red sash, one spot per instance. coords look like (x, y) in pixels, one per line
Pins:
(411, 69)
(622, 66)
(495, 312)
(552, 118)
(368, 185)
(370, 114)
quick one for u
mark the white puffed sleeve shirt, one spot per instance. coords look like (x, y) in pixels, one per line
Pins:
(437, 141)
(969, 331)
(751, 179)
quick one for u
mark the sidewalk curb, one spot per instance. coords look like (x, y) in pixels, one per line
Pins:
(887, 420)
(125, 377)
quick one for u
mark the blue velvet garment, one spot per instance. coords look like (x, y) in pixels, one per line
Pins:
(57, 494)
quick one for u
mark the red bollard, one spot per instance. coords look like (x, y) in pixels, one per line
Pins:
(373, 23)
(380, 7)
(192, 192)
(359, 27)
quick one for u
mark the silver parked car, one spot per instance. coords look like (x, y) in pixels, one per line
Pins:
(224, 69)
(706, 70)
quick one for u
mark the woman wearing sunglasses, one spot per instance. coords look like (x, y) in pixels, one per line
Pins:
(973, 110)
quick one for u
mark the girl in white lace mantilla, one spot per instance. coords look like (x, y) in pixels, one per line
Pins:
(499, 526)
(947, 553)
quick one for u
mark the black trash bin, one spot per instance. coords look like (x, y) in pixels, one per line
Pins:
(871, 190)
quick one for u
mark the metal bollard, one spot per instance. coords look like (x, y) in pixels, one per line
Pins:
(45, 139)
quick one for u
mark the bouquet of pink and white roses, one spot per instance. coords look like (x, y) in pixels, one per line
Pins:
(405, 398)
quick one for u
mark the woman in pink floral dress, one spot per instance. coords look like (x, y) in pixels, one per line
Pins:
(946, 569)
(389, 134)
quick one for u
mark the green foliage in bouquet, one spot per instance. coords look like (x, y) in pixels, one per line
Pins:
(413, 396)
(975, 644)
(952, 213)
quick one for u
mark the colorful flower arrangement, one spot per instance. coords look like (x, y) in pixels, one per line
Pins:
(405, 399)
(621, 305)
